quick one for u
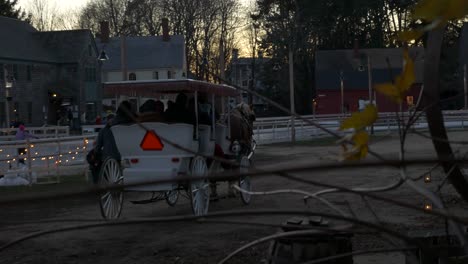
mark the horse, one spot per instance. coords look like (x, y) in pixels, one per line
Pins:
(242, 118)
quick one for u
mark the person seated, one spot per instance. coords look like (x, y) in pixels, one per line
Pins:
(204, 112)
(181, 113)
(124, 114)
(152, 111)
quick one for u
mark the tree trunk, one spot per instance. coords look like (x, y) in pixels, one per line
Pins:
(434, 114)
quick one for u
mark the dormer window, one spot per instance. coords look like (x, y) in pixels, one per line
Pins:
(132, 76)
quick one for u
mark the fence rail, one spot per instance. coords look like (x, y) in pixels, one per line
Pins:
(56, 153)
(41, 132)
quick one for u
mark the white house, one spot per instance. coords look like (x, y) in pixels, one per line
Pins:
(141, 58)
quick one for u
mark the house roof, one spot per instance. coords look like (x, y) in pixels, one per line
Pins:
(152, 88)
(66, 46)
(386, 64)
(22, 42)
(148, 52)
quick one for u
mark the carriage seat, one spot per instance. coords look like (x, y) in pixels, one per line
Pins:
(146, 165)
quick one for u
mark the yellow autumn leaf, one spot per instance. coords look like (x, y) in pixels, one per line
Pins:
(360, 141)
(360, 120)
(397, 91)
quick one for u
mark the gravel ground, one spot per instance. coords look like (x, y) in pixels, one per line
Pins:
(195, 242)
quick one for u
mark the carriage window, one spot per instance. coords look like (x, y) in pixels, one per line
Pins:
(132, 76)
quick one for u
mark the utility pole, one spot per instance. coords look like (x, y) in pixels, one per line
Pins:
(291, 93)
(369, 70)
(465, 84)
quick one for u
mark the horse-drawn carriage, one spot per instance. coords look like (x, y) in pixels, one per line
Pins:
(153, 151)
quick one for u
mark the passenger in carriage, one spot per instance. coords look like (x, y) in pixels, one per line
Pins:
(181, 114)
(169, 113)
(152, 111)
(204, 111)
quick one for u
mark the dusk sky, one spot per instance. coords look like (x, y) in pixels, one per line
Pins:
(67, 4)
(64, 4)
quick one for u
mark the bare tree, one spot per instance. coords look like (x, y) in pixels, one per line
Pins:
(46, 16)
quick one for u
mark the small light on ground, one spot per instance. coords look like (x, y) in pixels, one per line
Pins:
(427, 178)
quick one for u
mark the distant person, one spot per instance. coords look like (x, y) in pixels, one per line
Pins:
(98, 120)
(70, 116)
(22, 134)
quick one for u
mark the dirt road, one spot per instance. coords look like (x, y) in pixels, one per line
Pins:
(193, 242)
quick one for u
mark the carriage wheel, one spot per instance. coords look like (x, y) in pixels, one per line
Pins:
(244, 181)
(172, 197)
(199, 190)
(111, 201)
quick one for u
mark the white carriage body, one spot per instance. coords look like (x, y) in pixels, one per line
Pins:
(149, 165)
(140, 164)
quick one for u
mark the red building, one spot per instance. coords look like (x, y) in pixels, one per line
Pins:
(342, 78)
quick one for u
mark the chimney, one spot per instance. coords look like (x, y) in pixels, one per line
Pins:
(104, 36)
(123, 57)
(165, 29)
(235, 54)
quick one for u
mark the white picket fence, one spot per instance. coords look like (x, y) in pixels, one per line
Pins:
(47, 159)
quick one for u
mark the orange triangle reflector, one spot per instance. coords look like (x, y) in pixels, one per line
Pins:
(151, 141)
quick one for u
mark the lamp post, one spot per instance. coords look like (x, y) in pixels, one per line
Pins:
(291, 93)
(7, 95)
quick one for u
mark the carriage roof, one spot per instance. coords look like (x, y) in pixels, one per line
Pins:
(151, 88)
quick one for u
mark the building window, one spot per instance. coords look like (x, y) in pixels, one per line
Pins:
(90, 51)
(156, 75)
(244, 83)
(15, 72)
(90, 74)
(2, 72)
(29, 107)
(169, 74)
(29, 72)
(183, 74)
(132, 76)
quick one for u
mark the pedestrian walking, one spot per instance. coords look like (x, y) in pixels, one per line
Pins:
(22, 134)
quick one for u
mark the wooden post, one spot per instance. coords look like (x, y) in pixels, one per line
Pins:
(28, 154)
